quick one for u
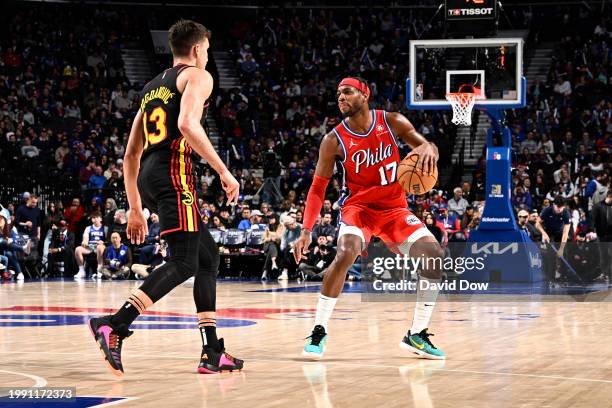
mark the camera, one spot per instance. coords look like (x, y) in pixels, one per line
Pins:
(271, 165)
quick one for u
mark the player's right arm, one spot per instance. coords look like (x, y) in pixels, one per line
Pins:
(137, 228)
(329, 150)
(198, 87)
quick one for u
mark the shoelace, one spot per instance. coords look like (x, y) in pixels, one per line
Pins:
(316, 337)
(115, 341)
(425, 336)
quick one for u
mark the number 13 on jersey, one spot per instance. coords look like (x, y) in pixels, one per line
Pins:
(384, 170)
(157, 117)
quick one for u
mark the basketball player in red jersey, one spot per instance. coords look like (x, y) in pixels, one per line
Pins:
(373, 203)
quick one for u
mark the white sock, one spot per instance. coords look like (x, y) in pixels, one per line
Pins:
(325, 307)
(425, 304)
(82, 268)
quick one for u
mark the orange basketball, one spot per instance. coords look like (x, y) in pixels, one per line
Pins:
(412, 179)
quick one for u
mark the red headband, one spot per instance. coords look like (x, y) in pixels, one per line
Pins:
(357, 84)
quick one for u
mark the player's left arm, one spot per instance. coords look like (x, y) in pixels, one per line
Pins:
(427, 151)
(137, 228)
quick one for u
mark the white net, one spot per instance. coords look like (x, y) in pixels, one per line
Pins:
(462, 104)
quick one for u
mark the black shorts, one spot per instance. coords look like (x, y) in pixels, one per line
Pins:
(166, 187)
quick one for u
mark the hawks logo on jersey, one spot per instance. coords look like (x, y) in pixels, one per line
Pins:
(369, 164)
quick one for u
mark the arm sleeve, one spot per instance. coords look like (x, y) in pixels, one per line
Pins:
(314, 200)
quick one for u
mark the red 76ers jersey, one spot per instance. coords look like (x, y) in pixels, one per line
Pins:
(369, 166)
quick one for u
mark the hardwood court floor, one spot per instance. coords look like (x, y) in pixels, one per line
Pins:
(505, 354)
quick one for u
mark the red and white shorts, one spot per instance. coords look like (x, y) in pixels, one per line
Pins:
(397, 227)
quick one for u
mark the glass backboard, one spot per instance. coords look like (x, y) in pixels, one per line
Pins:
(493, 66)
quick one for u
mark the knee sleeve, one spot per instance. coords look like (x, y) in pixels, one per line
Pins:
(182, 265)
(205, 284)
(208, 255)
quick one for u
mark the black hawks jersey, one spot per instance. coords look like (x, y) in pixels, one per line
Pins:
(166, 178)
(160, 105)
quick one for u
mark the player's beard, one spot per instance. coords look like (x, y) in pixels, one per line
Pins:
(352, 110)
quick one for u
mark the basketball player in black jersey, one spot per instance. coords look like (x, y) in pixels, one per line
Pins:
(159, 175)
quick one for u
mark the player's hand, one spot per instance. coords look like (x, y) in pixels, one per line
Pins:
(545, 239)
(428, 157)
(230, 186)
(301, 245)
(137, 228)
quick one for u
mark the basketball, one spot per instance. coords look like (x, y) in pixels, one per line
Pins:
(413, 179)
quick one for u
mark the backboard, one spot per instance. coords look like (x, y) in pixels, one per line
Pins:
(494, 66)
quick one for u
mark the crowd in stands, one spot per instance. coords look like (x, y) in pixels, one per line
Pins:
(66, 108)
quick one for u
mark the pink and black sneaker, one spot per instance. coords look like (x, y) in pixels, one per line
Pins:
(110, 340)
(213, 361)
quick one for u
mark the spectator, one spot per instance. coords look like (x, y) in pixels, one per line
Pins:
(530, 144)
(28, 219)
(147, 252)
(92, 243)
(28, 150)
(532, 226)
(562, 87)
(117, 259)
(255, 220)
(97, 180)
(451, 222)
(218, 223)
(10, 249)
(86, 172)
(74, 215)
(324, 228)
(457, 204)
(267, 211)
(583, 256)
(523, 223)
(61, 250)
(271, 248)
(602, 225)
(110, 206)
(119, 225)
(160, 255)
(52, 220)
(290, 236)
(468, 215)
(522, 199)
(319, 256)
(430, 223)
(245, 223)
(597, 188)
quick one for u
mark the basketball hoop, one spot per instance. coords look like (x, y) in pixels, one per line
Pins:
(462, 103)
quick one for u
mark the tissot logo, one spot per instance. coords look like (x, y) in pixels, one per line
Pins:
(485, 11)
